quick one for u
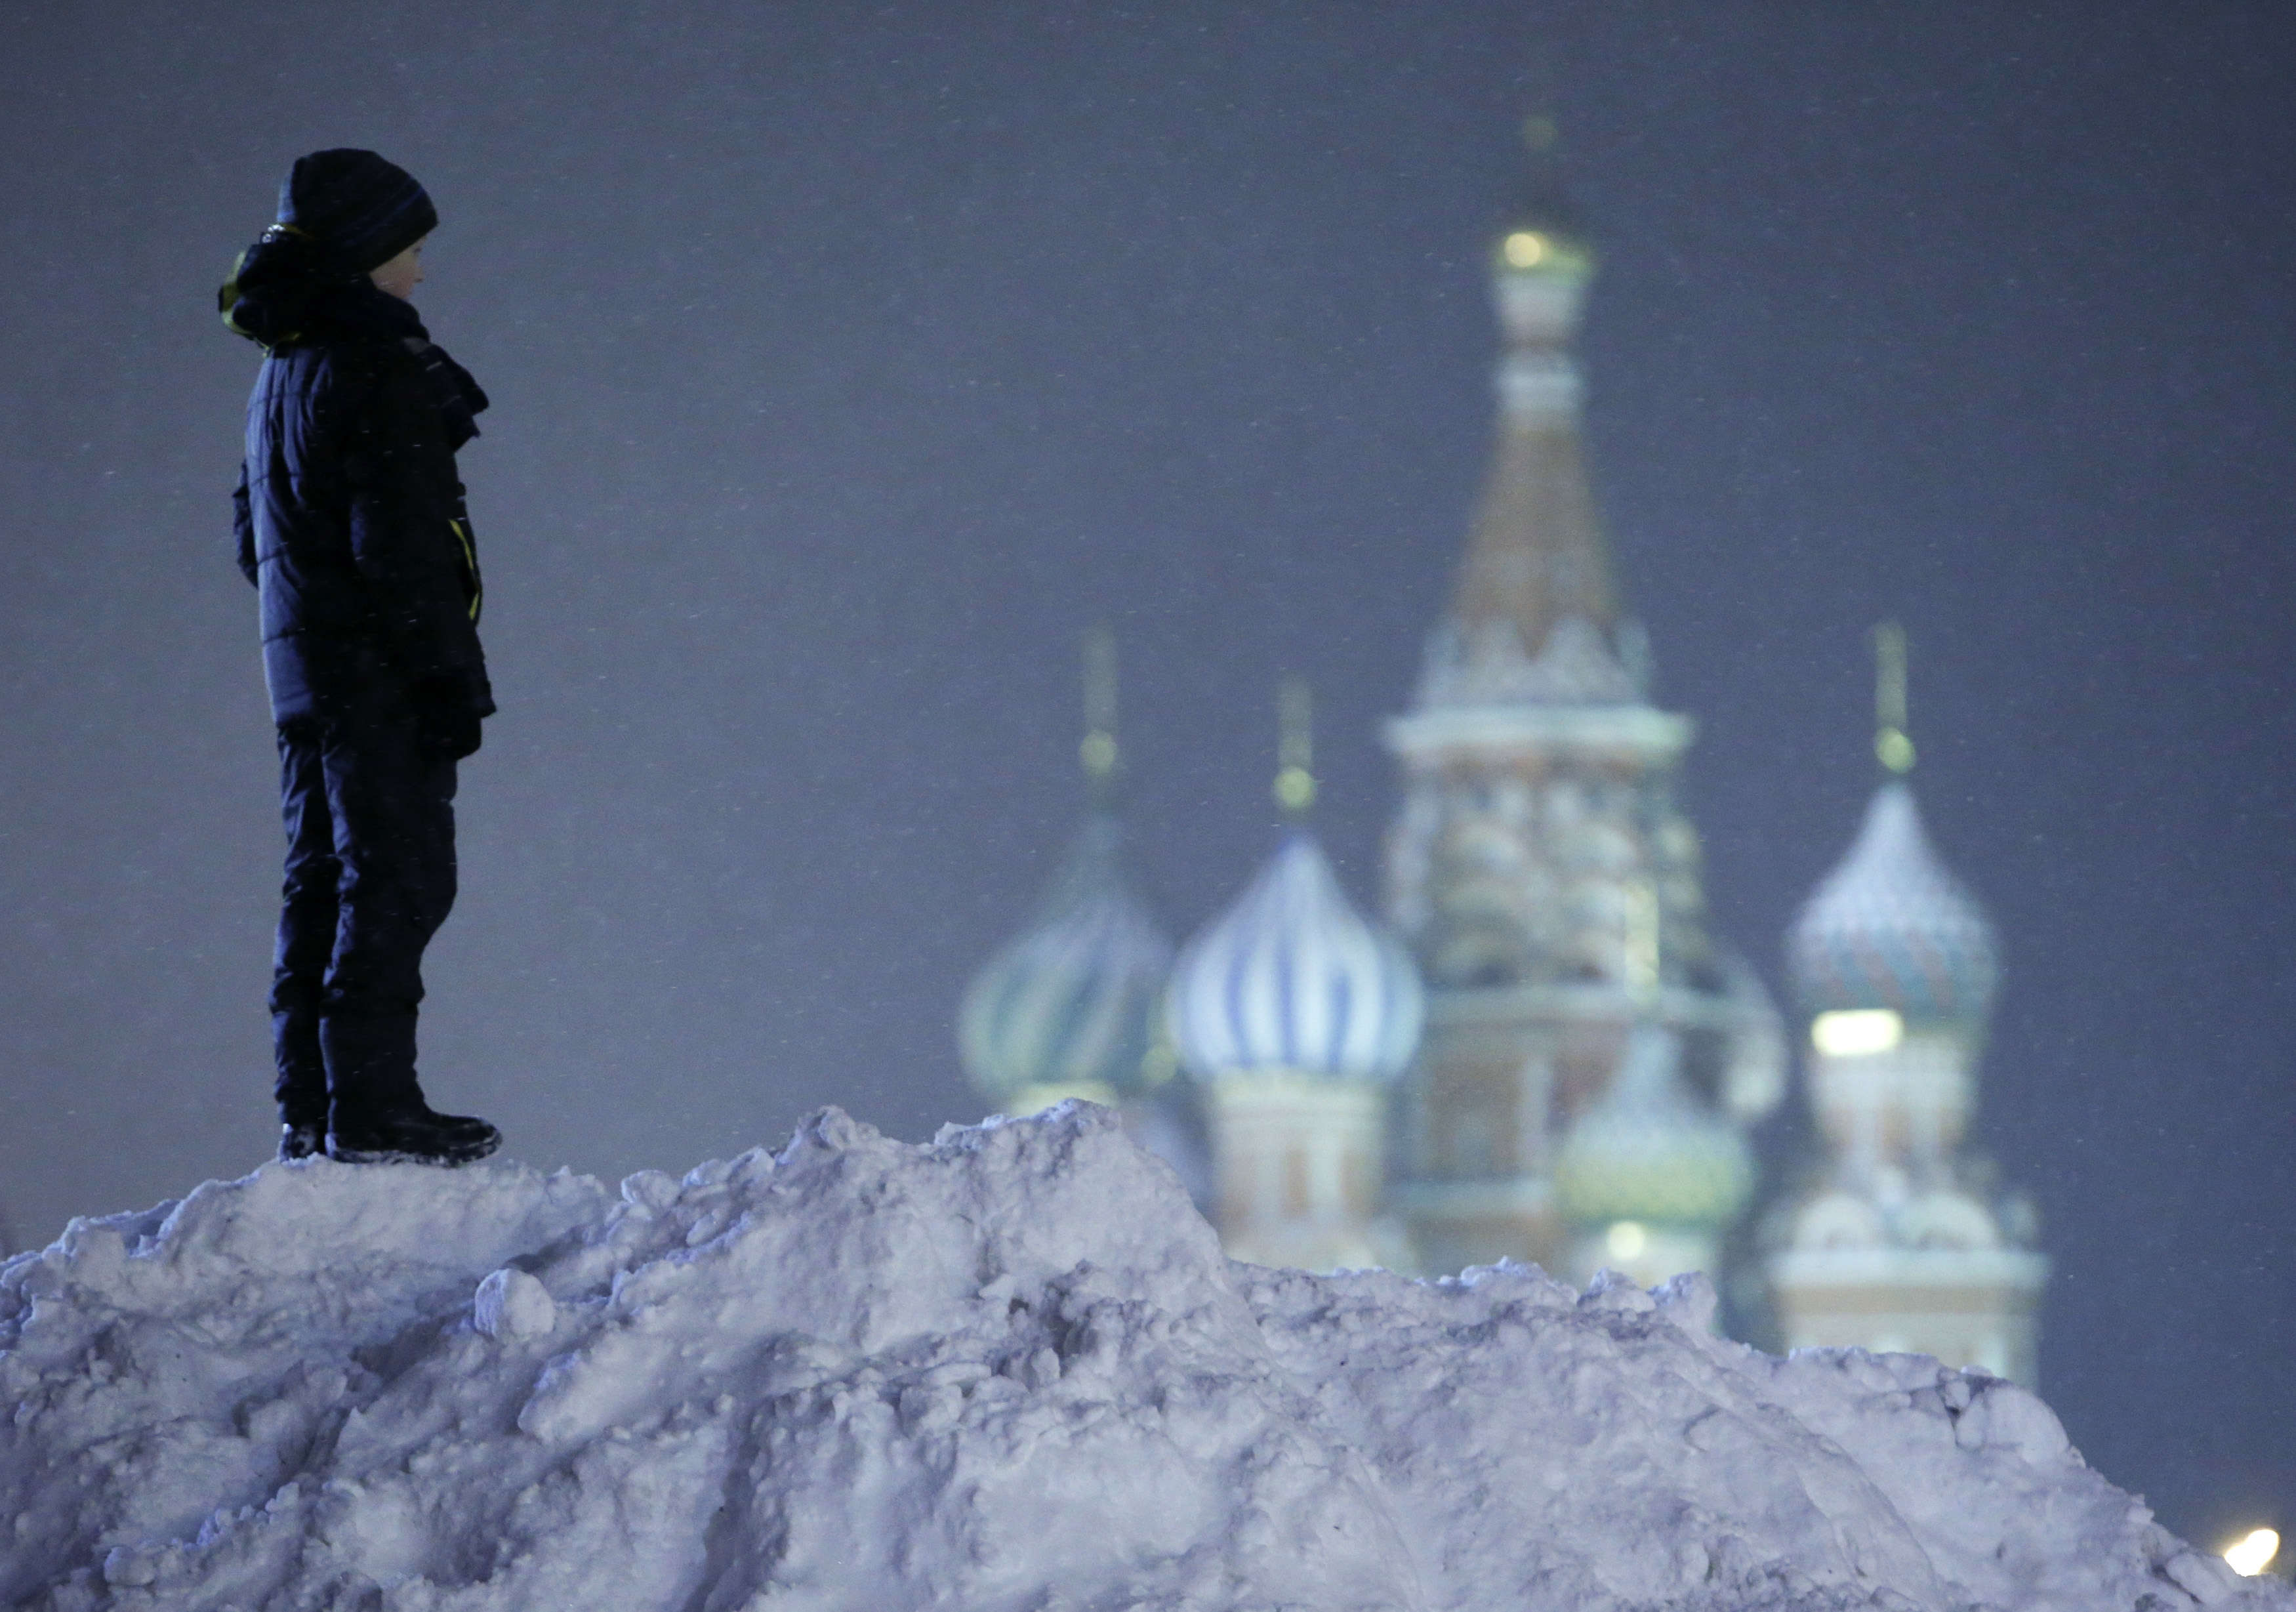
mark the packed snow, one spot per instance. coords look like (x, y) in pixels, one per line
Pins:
(1008, 1369)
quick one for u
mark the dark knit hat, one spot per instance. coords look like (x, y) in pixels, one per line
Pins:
(359, 210)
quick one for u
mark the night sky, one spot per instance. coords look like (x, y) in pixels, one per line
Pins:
(848, 362)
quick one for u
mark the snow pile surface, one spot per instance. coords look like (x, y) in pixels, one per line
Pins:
(1006, 1370)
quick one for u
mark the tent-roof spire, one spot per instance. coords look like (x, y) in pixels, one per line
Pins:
(1537, 614)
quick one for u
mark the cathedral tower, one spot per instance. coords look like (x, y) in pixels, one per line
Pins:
(1540, 867)
(1900, 1242)
(1293, 1014)
(1068, 1007)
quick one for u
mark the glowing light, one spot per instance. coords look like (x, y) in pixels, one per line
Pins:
(1894, 749)
(2253, 1553)
(1856, 1031)
(1295, 789)
(1099, 753)
(1525, 248)
(1626, 1240)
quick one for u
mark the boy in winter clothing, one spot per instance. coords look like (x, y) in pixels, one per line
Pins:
(351, 526)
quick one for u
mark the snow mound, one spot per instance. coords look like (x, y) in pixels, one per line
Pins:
(1007, 1369)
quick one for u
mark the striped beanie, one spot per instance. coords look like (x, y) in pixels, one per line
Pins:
(361, 210)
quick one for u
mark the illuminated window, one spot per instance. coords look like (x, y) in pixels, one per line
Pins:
(1856, 1031)
(1296, 1201)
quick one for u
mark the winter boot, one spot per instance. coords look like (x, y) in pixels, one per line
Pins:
(378, 1114)
(301, 1138)
(412, 1135)
(299, 1083)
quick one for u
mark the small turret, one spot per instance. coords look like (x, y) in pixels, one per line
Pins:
(1648, 1180)
(1894, 967)
(1293, 1010)
(1892, 930)
(1068, 1006)
(1902, 1242)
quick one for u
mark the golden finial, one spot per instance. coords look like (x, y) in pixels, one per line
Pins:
(1098, 752)
(1891, 747)
(1543, 240)
(1295, 746)
(1525, 248)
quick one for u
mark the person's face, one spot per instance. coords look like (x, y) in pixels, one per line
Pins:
(402, 273)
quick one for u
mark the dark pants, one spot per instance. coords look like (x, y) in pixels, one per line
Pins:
(370, 811)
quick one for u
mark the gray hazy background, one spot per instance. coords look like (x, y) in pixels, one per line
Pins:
(848, 362)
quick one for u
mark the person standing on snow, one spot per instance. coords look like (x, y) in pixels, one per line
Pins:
(351, 525)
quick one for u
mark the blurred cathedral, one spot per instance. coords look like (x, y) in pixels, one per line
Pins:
(1544, 1054)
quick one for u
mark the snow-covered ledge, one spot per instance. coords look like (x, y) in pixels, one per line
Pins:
(1009, 1368)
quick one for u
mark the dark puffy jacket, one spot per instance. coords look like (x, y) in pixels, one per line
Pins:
(350, 517)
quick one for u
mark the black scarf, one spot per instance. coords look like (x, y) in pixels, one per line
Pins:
(282, 290)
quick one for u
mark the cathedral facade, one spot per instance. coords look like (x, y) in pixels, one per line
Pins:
(1542, 1053)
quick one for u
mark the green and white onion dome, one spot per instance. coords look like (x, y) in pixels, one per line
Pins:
(1647, 1152)
(1070, 1004)
(1292, 978)
(1891, 927)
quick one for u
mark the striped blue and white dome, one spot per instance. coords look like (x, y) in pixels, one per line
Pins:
(1291, 977)
(1071, 1003)
(1891, 927)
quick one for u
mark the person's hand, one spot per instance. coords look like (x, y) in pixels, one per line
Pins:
(450, 725)
(457, 734)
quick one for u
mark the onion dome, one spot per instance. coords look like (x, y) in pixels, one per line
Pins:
(1292, 978)
(1071, 1004)
(1891, 927)
(1647, 1152)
